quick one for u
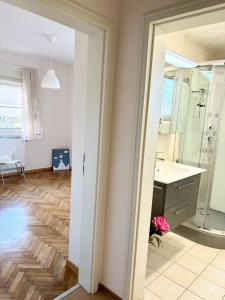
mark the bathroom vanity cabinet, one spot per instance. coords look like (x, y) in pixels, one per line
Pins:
(176, 201)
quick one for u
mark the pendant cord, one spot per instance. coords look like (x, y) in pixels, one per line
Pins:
(51, 59)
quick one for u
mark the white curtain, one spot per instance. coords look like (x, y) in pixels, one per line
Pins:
(32, 110)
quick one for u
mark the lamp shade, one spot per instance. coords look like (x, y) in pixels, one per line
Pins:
(50, 80)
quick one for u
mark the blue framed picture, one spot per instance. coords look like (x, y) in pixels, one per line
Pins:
(60, 159)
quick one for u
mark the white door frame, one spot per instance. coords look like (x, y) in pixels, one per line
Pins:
(156, 26)
(101, 32)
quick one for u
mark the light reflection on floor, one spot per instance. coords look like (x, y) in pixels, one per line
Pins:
(13, 222)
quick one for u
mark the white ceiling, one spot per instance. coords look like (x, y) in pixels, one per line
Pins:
(22, 32)
(212, 37)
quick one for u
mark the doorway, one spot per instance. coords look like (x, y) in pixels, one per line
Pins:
(101, 49)
(156, 29)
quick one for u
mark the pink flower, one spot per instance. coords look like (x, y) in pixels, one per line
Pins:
(161, 224)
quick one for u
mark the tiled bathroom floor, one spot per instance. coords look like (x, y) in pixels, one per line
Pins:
(182, 269)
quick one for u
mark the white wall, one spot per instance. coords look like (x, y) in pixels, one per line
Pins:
(106, 8)
(78, 124)
(125, 108)
(169, 145)
(182, 43)
(124, 125)
(110, 10)
(57, 112)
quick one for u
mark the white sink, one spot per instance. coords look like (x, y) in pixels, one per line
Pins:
(167, 172)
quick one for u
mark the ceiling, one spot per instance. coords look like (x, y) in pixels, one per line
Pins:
(23, 32)
(212, 37)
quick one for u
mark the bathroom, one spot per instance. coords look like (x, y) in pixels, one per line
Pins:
(189, 184)
(192, 132)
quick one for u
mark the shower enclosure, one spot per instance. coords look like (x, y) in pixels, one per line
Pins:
(198, 121)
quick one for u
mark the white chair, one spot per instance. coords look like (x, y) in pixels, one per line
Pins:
(8, 160)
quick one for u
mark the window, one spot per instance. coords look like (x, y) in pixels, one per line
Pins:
(167, 100)
(10, 108)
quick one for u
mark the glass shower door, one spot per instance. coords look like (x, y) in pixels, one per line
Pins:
(192, 136)
(214, 143)
(198, 121)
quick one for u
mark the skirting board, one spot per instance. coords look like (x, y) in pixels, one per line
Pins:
(38, 170)
(101, 288)
(72, 267)
(28, 171)
(70, 275)
(46, 170)
(108, 292)
(35, 171)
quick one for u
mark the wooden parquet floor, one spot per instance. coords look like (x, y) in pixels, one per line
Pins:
(34, 225)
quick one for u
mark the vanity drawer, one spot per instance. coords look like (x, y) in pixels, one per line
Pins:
(158, 199)
(181, 212)
(181, 190)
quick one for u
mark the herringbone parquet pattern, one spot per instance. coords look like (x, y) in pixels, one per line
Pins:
(34, 224)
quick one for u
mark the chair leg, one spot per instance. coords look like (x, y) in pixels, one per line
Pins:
(2, 175)
(23, 173)
(21, 170)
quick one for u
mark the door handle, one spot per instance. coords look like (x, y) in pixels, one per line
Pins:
(158, 187)
(185, 185)
(178, 212)
(83, 167)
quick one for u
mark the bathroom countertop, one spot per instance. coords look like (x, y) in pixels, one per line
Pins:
(168, 172)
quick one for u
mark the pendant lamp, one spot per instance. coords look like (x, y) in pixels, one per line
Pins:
(50, 80)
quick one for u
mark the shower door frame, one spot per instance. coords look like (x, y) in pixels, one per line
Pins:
(181, 151)
(212, 169)
(209, 184)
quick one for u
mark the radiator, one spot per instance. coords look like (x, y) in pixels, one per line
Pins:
(14, 147)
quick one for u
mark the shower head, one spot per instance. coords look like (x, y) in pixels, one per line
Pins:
(172, 77)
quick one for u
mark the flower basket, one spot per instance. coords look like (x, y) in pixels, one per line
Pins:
(158, 227)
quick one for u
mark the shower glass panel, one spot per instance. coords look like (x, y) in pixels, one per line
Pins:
(191, 140)
(200, 122)
(213, 154)
(193, 112)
